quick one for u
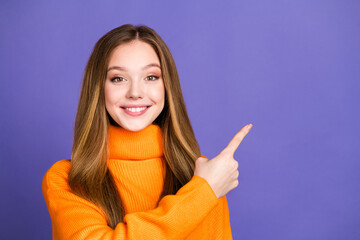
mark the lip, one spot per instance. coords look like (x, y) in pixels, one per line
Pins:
(134, 114)
(134, 106)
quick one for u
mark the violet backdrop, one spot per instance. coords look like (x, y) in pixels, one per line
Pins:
(291, 68)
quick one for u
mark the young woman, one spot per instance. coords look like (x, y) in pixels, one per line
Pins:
(136, 171)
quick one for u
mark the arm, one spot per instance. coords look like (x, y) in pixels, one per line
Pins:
(175, 217)
(226, 220)
(216, 225)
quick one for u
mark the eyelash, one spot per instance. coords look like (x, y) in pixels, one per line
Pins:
(153, 76)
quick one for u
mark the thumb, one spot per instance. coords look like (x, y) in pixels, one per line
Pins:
(200, 164)
(201, 160)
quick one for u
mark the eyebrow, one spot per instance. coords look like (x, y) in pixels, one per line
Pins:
(125, 69)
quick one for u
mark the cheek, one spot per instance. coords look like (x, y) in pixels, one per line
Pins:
(110, 95)
(158, 94)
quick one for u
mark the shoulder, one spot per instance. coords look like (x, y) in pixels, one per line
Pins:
(57, 176)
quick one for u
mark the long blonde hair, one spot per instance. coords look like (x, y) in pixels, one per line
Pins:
(89, 176)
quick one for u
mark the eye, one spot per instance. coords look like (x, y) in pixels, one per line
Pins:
(152, 78)
(117, 79)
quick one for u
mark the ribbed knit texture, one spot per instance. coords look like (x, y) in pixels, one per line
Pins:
(137, 164)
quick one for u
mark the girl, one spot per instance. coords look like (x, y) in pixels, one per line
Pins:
(136, 171)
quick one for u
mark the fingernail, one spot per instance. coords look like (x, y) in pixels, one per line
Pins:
(249, 126)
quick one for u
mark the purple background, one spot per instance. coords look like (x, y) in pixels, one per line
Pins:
(291, 68)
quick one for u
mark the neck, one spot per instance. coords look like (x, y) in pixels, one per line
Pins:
(128, 145)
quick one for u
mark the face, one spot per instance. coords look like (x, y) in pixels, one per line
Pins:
(134, 88)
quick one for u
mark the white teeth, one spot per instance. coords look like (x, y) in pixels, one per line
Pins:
(136, 109)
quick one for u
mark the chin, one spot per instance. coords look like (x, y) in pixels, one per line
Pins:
(134, 127)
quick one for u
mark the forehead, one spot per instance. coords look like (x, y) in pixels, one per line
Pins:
(133, 55)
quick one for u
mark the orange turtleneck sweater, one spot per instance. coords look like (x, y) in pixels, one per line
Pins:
(136, 163)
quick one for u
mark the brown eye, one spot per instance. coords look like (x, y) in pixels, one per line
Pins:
(151, 78)
(118, 79)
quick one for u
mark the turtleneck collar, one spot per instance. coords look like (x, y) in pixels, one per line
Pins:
(140, 145)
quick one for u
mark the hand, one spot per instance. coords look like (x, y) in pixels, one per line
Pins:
(221, 172)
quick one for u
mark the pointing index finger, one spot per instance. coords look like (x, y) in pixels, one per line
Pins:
(237, 139)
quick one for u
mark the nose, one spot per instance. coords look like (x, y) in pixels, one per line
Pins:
(135, 90)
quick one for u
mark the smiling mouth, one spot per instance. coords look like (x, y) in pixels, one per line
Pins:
(136, 109)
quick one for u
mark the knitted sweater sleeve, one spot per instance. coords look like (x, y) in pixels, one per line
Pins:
(76, 218)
